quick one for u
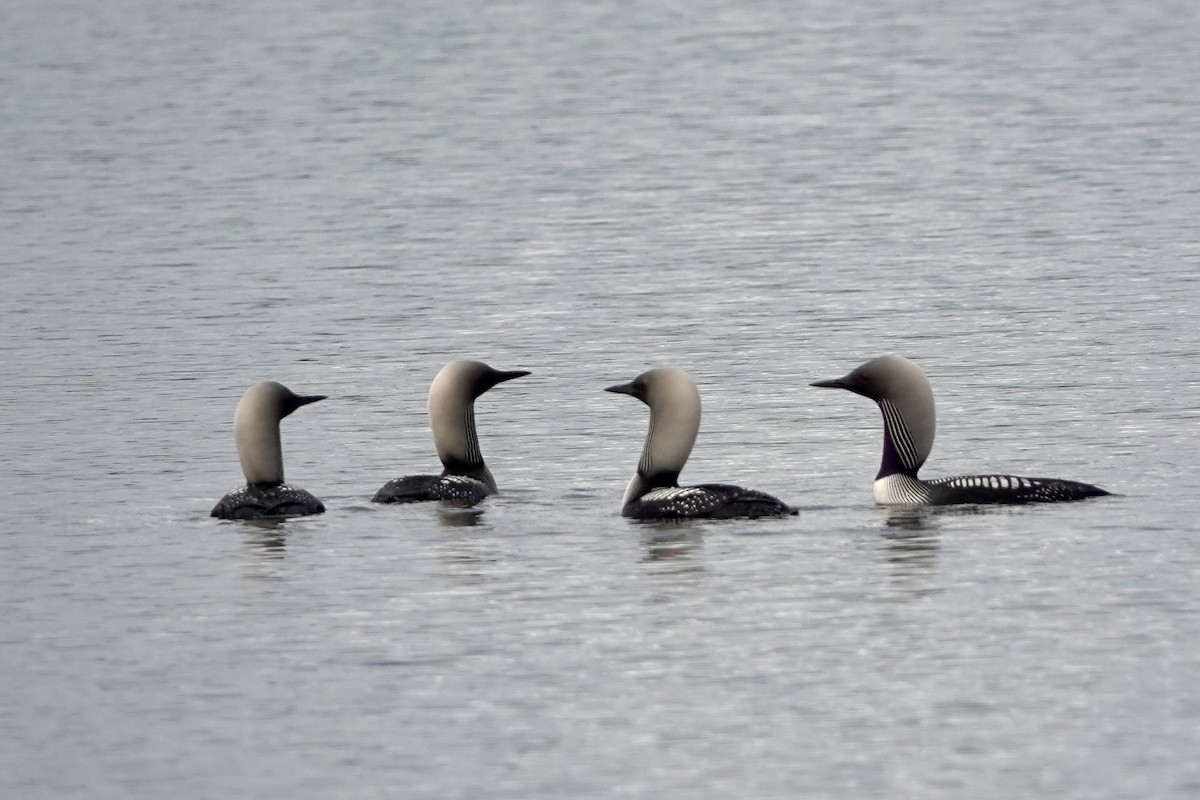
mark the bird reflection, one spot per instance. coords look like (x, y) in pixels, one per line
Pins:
(264, 542)
(910, 549)
(466, 558)
(673, 557)
(912, 562)
(266, 538)
(671, 541)
(467, 562)
(909, 519)
(456, 517)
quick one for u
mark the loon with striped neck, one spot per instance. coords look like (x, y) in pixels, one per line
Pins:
(654, 492)
(465, 479)
(906, 399)
(256, 434)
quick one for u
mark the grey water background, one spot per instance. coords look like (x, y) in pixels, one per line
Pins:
(342, 196)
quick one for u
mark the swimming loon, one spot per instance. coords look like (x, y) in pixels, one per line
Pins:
(256, 434)
(466, 479)
(654, 492)
(904, 395)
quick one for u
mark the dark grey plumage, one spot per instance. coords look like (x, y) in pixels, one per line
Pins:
(705, 501)
(258, 502)
(458, 490)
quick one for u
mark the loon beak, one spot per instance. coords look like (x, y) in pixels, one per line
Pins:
(293, 401)
(490, 377)
(305, 399)
(501, 377)
(622, 388)
(851, 383)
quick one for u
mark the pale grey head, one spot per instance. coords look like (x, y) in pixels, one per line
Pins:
(906, 399)
(256, 429)
(452, 396)
(674, 405)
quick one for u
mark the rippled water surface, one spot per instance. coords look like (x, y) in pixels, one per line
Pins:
(343, 196)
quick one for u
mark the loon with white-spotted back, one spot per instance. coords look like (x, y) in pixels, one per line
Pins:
(465, 479)
(256, 434)
(904, 395)
(654, 492)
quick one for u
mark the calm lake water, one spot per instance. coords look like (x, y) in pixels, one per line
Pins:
(195, 196)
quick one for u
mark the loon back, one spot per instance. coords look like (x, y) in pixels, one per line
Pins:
(456, 490)
(260, 502)
(905, 398)
(465, 479)
(705, 501)
(654, 491)
(902, 490)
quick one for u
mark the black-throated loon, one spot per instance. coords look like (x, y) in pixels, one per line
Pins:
(906, 399)
(256, 434)
(465, 479)
(654, 492)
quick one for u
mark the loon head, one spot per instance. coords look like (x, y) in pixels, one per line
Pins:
(452, 414)
(674, 422)
(906, 400)
(256, 429)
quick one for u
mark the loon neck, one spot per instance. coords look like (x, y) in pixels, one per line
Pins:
(669, 440)
(477, 470)
(454, 435)
(652, 473)
(641, 484)
(256, 435)
(457, 441)
(674, 404)
(260, 452)
(901, 456)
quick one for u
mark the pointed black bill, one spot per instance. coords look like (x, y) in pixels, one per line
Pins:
(622, 388)
(292, 401)
(854, 382)
(305, 399)
(490, 377)
(502, 376)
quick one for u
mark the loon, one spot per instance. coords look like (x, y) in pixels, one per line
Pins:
(256, 433)
(904, 395)
(466, 479)
(654, 492)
